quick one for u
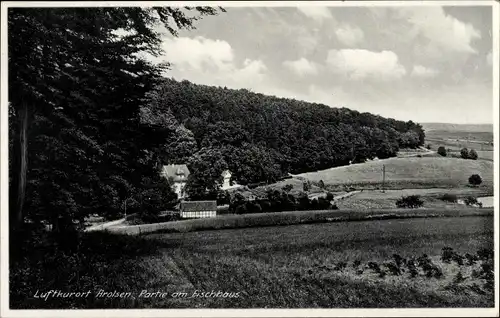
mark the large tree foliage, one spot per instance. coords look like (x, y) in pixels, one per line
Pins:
(205, 179)
(77, 83)
(262, 138)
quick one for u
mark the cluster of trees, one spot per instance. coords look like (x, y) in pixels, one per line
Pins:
(464, 153)
(468, 154)
(83, 138)
(442, 151)
(261, 138)
(411, 202)
(475, 180)
(278, 201)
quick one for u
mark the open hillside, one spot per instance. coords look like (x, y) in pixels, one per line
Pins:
(408, 172)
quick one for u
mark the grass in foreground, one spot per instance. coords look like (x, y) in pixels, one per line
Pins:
(273, 219)
(271, 267)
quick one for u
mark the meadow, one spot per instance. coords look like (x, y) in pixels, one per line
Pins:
(378, 199)
(296, 266)
(425, 172)
(481, 154)
(456, 140)
(273, 219)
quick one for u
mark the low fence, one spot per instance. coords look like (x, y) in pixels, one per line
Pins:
(290, 218)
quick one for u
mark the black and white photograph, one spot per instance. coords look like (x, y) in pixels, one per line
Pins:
(268, 158)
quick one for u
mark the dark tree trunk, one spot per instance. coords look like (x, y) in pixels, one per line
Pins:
(19, 157)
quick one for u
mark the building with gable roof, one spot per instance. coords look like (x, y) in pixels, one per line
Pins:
(226, 184)
(177, 176)
(198, 209)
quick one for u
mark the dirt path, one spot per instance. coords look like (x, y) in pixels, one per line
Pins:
(335, 198)
(427, 152)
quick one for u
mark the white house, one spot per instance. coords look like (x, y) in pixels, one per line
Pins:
(226, 184)
(177, 174)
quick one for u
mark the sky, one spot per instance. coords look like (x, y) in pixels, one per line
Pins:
(427, 64)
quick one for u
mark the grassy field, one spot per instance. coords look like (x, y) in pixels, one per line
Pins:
(482, 155)
(473, 128)
(456, 140)
(408, 173)
(457, 145)
(486, 155)
(376, 199)
(297, 184)
(296, 266)
(477, 136)
(302, 217)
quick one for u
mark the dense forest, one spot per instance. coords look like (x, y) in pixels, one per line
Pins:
(262, 138)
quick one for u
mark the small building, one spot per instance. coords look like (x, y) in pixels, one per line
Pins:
(177, 174)
(198, 209)
(226, 184)
(226, 174)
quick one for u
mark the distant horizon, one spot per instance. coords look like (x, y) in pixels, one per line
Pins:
(471, 124)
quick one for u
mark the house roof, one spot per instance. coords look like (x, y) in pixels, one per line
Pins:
(195, 206)
(175, 171)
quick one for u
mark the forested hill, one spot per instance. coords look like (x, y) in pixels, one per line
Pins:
(264, 137)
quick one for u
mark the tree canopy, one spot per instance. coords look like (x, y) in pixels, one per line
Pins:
(78, 88)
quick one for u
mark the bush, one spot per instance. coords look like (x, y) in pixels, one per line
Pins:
(223, 197)
(441, 151)
(323, 204)
(321, 184)
(411, 201)
(485, 254)
(447, 254)
(458, 278)
(314, 204)
(241, 209)
(473, 154)
(475, 180)
(464, 153)
(356, 263)
(329, 196)
(449, 198)
(471, 259)
(288, 187)
(398, 260)
(340, 266)
(266, 205)
(306, 187)
(428, 146)
(253, 207)
(472, 201)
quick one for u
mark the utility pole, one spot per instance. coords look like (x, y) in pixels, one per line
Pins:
(125, 205)
(383, 178)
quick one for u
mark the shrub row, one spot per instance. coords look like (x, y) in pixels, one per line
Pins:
(279, 201)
